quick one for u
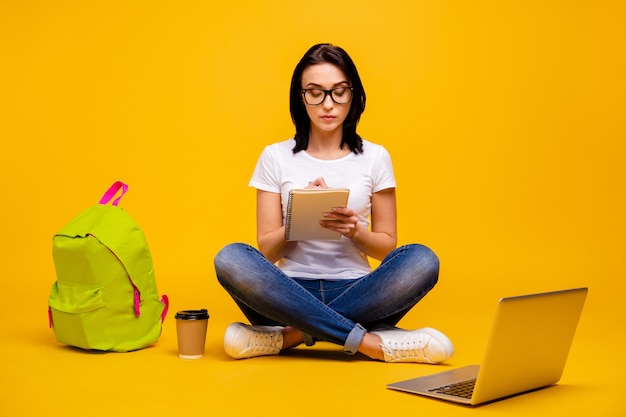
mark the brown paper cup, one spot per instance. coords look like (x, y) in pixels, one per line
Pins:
(191, 327)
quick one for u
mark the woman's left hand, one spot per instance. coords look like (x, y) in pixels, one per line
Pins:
(342, 220)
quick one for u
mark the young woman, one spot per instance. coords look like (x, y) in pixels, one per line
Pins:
(300, 292)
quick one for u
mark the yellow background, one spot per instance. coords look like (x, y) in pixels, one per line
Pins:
(505, 121)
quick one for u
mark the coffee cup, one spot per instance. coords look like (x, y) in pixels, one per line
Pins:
(191, 327)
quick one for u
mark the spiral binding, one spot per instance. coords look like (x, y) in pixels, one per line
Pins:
(288, 216)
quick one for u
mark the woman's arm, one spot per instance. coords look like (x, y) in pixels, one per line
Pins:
(270, 229)
(376, 243)
(382, 238)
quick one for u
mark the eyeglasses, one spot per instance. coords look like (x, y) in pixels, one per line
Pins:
(316, 96)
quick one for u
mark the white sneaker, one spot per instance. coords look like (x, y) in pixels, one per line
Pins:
(244, 341)
(422, 346)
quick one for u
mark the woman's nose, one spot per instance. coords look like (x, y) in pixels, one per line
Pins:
(328, 102)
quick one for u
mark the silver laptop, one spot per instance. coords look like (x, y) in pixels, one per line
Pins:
(527, 349)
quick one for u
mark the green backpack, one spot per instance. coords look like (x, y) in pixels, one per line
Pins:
(105, 296)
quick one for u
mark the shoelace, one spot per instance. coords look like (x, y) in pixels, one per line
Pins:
(263, 341)
(406, 348)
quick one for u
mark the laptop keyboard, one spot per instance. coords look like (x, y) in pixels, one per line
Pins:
(460, 389)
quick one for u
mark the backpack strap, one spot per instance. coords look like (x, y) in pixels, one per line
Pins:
(166, 301)
(112, 191)
(136, 299)
(137, 303)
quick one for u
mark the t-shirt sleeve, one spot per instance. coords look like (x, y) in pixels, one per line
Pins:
(383, 173)
(264, 176)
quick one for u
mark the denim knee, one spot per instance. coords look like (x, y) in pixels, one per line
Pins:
(423, 259)
(229, 256)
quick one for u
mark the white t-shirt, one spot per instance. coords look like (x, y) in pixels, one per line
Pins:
(278, 170)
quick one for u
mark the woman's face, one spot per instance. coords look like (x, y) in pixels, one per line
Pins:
(328, 116)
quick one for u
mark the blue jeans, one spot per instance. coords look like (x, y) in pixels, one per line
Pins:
(336, 311)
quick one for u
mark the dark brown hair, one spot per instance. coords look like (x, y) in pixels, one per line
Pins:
(318, 54)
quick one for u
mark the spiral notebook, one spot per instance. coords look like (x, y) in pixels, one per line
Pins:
(304, 211)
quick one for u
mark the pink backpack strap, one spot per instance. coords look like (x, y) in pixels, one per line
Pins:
(137, 301)
(166, 302)
(112, 191)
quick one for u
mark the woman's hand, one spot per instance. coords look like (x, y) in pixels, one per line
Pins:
(343, 220)
(317, 183)
(376, 242)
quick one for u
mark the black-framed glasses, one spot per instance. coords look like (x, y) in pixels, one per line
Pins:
(316, 96)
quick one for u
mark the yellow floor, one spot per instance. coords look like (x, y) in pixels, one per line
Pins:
(41, 377)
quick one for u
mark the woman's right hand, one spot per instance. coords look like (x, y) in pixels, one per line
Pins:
(317, 183)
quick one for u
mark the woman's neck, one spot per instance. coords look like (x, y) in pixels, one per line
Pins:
(326, 145)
